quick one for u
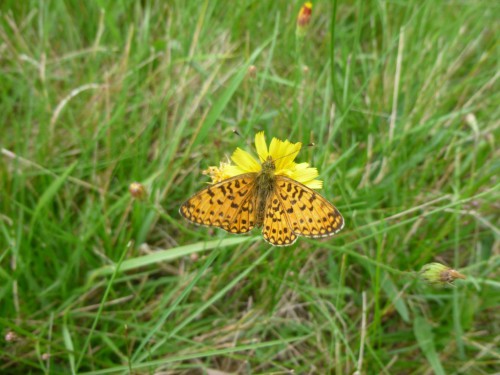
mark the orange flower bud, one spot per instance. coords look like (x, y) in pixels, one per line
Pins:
(303, 19)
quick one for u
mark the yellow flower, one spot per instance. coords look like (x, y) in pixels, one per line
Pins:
(282, 152)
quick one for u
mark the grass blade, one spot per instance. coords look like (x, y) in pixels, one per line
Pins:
(228, 93)
(68, 343)
(186, 357)
(168, 255)
(425, 339)
(50, 193)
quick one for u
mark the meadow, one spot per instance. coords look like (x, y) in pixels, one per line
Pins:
(395, 102)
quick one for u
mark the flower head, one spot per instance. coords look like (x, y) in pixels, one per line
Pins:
(439, 274)
(283, 153)
(303, 19)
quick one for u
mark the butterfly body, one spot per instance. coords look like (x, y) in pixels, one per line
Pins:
(265, 185)
(283, 207)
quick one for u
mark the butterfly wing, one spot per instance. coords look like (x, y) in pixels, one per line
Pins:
(228, 205)
(308, 213)
(276, 228)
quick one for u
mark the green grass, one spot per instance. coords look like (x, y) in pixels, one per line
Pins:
(402, 106)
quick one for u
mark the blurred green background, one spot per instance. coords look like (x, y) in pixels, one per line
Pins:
(400, 98)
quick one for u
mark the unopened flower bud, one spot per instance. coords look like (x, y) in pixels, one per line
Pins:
(303, 19)
(439, 274)
(252, 71)
(137, 190)
(10, 336)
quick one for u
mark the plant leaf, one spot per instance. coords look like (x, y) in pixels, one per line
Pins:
(425, 339)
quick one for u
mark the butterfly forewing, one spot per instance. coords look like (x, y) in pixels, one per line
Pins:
(228, 205)
(307, 212)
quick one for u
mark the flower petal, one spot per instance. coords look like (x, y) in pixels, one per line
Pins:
(314, 184)
(220, 173)
(283, 153)
(233, 170)
(304, 174)
(261, 146)
(245, 161)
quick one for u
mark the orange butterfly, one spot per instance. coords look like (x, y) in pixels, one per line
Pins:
(275, 194)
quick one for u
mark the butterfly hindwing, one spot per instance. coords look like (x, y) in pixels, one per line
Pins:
(228, 205)
(275, 227)
(308, 213)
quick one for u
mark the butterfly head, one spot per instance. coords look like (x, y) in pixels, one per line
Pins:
(268, 166)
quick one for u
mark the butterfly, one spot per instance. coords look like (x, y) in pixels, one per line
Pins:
(282, 206)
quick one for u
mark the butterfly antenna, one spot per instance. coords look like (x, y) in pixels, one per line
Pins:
(311, 143)
(284, 156)
(236, 132)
